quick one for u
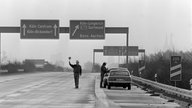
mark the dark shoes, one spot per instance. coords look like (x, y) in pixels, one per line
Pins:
(76, 87)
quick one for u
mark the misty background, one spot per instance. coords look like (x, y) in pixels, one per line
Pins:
(154, 25)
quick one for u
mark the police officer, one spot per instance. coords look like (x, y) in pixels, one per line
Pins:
(103, 71)
(77, 72)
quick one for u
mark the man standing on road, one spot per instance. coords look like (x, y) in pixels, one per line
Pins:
(77, 72)
(103, 71)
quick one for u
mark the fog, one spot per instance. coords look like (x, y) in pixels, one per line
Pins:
(155, 25)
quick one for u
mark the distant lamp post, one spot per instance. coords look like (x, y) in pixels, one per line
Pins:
(190, 84)
(155, 77)
(140, 73)
(132, 72)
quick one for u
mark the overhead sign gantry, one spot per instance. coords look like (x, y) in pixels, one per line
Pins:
(117, 51)
(79, 29)
(39, 29)
(87, 29)
(120, 51)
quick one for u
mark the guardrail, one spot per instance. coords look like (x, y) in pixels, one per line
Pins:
(182, 93)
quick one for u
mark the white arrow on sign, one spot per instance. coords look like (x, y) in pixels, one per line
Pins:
(55, 30)
(76, 28)
(24, 27)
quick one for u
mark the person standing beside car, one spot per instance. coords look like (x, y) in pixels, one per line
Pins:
(103, 71)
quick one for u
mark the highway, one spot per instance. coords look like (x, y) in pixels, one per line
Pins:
(47, 90)
(56, 90)
(137, 98)
(118, 97)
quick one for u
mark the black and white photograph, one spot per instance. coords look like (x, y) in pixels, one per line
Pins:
(95, 53)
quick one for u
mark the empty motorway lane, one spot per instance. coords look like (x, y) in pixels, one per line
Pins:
(46, 90)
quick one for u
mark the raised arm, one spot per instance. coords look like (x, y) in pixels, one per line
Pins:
(71, 64)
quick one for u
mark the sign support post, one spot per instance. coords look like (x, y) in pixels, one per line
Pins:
(0, 50)
(127, 44)
(93, 61)
(95, 50)
(141, 66)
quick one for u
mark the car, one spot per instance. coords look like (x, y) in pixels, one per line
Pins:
(106, 75)
(118, 68)
(104, 84)
(118, 77)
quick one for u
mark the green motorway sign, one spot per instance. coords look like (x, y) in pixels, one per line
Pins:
(87, 29)
(39, 29)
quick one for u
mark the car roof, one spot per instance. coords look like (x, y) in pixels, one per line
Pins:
(118, 68)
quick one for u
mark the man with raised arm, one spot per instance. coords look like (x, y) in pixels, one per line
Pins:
(77, 72)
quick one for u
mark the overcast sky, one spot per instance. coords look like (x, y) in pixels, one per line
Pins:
(155, 25)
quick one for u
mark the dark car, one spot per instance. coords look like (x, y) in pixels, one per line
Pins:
(118, 77)
(107, 74)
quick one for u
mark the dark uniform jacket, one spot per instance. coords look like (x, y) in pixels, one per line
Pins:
(103, 71)
(76, 68)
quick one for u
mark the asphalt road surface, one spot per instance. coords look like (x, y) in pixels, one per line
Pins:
(57, 90)
(46, 90)
(137, 98)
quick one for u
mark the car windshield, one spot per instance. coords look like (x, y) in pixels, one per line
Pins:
(119, 73)
(117, 69)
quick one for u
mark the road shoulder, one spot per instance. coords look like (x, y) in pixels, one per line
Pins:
(101, 99)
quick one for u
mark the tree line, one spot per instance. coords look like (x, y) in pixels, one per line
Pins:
(160, 63)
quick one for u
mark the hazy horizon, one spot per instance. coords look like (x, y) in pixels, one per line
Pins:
(154, 25)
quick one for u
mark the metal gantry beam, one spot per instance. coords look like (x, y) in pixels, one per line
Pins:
(114, 30)
(98, 50)
(0, 50)
(94, 51)
(9, 29)
(121, 30)
(17, 29)
(142, 51)
(66, 30)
